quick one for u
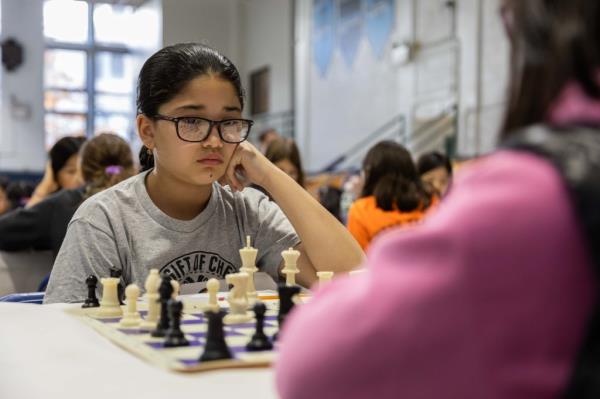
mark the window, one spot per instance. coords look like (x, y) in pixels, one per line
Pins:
(93, 54)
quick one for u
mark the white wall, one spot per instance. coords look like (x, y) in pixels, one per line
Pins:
(266, 40)
(22, 134)
(212, 22)
(467, 67)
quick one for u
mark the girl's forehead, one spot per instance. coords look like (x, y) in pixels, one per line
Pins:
(206, 92)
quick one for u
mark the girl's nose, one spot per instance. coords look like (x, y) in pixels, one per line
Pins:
(213, 139)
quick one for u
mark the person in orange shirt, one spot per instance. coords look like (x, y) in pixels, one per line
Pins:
(392, 195)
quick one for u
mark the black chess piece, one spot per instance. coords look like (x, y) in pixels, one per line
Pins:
(216, 348)
(117, 273)
(259, 341)
(91, 300)
(175, 336)
(165, 291)
(286, 293)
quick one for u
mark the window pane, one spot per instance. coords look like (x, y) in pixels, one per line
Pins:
(58, 126)
(126, 25)
(66, 21)
(114, 103)
(118, 124)
(65, 101)
(65, 69)
(115, 73)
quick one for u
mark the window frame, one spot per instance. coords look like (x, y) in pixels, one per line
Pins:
(91, 49)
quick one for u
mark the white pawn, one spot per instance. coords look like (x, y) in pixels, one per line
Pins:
(238, 302)
(213, 288)
(290, 258)
(151, 285)
(175, 285)
(324, 277)
(109, 305)
(248, 255)
(132, 316)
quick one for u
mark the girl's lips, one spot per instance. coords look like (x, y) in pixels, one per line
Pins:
(210, 161)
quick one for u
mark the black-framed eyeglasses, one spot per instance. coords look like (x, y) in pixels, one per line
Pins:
(195, 129)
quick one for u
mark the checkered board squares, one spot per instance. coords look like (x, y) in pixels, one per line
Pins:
(194, 326)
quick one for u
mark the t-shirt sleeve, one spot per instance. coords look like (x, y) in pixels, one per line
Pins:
(275, 233)
(86, 250)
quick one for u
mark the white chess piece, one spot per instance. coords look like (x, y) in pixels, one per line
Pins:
(238, 302)
(152, 296)
(290, 258)
(131, 318)
(212, 286)
(175, 285)
(109, 305)
(248, 255)
(324, 277)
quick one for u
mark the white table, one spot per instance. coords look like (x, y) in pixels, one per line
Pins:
(45, 353)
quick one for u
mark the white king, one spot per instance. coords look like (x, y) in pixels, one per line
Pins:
(248, 255)
(290, 258)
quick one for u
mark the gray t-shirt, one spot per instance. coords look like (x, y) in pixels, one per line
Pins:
(122, 228)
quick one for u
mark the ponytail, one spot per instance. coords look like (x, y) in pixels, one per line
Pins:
(146, 159)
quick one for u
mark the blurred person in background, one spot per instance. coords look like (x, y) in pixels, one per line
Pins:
(62, 169)
(266, 137)
(436, 172)
(392, 194)
(105, 161)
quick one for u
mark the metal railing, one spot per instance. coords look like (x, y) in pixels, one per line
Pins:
(437, 134)
(394, 129)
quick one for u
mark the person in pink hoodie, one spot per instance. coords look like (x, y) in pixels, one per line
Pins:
(495, 294)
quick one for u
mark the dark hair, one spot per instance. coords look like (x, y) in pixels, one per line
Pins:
(391, 176)
(265, 132)
(167, 72)
(105, 161)
(281, 149)
(4, 182)
(433, 160)
(552, 44)
(18, 193)
(62, 150)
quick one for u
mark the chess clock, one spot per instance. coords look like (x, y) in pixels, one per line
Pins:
(12, 54)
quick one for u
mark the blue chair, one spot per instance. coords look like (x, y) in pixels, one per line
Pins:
(29, 297)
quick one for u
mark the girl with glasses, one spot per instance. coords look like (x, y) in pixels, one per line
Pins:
(495, 295)
(176, 216)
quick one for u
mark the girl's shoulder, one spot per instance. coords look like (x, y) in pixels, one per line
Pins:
(119, 196)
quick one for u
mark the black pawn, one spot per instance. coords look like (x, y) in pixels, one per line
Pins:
(91, 300)
(216, 348)
(165, 290)
(259, 341)
(175, 336)
(286, 304)
(117, 273)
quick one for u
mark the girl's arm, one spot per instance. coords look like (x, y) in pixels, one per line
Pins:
(326, 243)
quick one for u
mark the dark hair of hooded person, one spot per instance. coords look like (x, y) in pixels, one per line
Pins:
(391, 176)
(105, 161)
(169, 70)
(433, 160)
(555, 43)
(62, 151)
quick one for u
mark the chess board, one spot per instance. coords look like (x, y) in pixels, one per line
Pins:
(194, 325)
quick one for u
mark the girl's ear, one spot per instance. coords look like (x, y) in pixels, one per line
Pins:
(145, 127)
